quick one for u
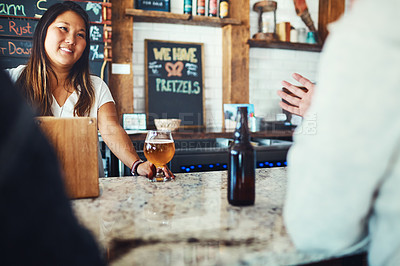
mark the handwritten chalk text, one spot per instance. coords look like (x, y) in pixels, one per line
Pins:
(178, 54)
(177, 86)
(12, 10)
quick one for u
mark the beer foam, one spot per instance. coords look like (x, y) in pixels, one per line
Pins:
(159, 141)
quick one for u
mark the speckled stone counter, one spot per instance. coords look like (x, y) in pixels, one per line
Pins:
(189, 222)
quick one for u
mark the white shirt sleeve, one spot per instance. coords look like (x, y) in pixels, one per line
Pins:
(14, 73)
(102, 95)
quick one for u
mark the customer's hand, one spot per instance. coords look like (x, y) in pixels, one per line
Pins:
(300, 100)
(149, 170)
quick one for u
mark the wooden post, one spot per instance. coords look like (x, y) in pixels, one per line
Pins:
(121, 86)
(235, 73)
(329, 11)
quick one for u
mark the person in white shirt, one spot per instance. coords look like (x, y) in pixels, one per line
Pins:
(56, 81)
(344, 166)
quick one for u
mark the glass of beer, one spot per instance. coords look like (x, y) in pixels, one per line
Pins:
(159, 148)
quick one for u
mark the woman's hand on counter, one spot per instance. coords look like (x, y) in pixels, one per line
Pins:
(167, 172)
(300, 100)
(149, 170)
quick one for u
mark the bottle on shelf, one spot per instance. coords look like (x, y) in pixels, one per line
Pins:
(187, 7)
(212, 8)
(223, 8)
(311, 37)
(201, 7)
(241, 164)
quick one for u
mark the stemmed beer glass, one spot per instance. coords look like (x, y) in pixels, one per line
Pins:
(159, 148)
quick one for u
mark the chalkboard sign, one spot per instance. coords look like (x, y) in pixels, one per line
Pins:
(18, 20)
(174, 82)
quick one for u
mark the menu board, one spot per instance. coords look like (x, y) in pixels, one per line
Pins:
(18, 20)
(174, 82)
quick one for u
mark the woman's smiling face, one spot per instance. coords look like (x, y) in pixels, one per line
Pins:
(65, 40)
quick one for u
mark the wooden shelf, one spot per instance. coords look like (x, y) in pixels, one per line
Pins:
(285, 45)
(167, 17)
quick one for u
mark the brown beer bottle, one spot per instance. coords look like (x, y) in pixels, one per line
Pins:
(241, 164)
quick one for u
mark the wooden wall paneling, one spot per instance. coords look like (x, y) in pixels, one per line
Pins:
(121, 86)
(329, 11)
(235, 62)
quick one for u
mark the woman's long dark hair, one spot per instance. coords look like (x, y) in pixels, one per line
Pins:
(34, 79)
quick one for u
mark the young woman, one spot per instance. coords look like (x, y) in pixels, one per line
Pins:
(56, 81)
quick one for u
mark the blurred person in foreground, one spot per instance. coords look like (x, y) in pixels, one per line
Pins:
(344, 179)
(38, 226)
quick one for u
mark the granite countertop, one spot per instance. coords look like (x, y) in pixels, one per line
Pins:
(189, 222)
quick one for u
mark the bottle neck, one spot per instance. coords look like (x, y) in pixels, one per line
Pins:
(242, 128)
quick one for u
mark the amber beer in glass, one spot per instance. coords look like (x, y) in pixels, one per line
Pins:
(159, 149)
(242, 164)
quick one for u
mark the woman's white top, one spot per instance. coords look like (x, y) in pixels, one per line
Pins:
(101, 91)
